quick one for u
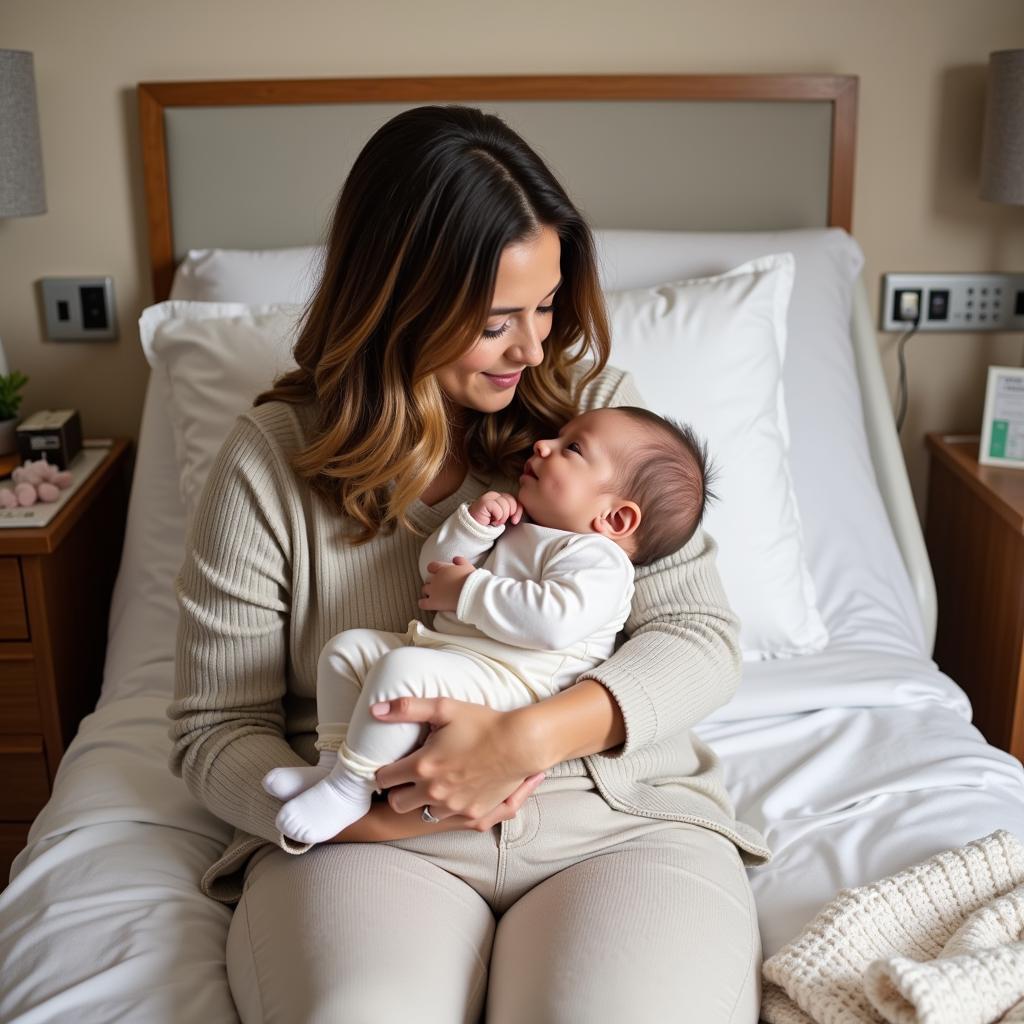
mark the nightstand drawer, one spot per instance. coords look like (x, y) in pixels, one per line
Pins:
(26, 780)
(19, 705)
(13, 621)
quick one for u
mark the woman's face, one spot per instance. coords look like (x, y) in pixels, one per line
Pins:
(529, 273)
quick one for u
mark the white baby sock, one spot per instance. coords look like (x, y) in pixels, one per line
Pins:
(286, 783)
(327, 808)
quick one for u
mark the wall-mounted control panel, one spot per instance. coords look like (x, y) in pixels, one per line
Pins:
(953, 302)
(79, 308)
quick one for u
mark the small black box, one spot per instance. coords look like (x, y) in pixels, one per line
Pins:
(53, 434)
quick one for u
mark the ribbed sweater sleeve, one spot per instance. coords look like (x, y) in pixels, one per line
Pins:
(681, 660)
(227, 718)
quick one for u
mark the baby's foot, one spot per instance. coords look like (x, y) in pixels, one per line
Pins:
(285, 783)
(326, 809)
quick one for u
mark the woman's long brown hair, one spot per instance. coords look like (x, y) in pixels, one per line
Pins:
(411, 259)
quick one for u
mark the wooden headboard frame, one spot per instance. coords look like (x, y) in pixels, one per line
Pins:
(155, 97)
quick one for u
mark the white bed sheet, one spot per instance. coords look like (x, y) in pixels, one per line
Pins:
(104, 919)
(854, 765)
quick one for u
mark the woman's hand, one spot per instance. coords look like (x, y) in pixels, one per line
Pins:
(382, 823)
(477, 763)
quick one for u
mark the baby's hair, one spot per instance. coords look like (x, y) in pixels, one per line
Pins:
(669, 475)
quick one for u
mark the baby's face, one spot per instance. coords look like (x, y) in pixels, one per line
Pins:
(569, 481)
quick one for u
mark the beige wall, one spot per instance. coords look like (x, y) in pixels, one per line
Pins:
(920, 62)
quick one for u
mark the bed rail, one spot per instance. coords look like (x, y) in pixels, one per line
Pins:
(887, 457)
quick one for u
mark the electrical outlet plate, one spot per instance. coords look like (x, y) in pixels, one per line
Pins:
(79, 308)
(955, 302)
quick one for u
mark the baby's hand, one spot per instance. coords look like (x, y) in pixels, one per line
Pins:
(441, 592)
(494, 509)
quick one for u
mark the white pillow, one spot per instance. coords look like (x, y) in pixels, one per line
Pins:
(257, 276)
(212, 359)
(863, 591)
(709, 352)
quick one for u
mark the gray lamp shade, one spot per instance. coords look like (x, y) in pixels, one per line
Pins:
(21, 158)
(1002, 156)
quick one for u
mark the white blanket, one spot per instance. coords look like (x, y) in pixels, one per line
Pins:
(940, 942)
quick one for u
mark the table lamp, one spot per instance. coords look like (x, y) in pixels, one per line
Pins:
(22, 192)
(1002, 155)
(1002, 181)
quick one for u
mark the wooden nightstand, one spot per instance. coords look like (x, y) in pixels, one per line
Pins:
(975, 537)
(55, 588)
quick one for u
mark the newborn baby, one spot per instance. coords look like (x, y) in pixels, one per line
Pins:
(530, 592)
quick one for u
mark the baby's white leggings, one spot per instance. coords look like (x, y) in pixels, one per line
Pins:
(360, 667)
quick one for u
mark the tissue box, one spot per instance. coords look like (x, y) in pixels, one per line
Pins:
(53, 434)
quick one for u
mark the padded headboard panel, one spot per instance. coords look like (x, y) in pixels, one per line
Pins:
(259, 164)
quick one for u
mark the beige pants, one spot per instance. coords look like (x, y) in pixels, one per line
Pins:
(601, 916)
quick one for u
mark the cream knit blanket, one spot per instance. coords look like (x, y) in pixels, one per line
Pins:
(939, 943)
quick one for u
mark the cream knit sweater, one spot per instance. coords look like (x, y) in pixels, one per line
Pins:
(939, 943)
(268, 578)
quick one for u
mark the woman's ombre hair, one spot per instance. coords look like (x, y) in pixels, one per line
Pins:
(431, 202)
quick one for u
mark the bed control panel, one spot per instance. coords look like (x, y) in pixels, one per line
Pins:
(953, 302)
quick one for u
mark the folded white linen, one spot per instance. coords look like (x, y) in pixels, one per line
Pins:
(937, 943)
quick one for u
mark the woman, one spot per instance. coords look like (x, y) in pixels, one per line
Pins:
(459, 318)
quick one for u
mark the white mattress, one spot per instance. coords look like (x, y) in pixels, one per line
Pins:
(854, 763)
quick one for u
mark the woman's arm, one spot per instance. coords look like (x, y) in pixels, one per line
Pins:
(580, 720)
(681, 661)
(475, 755)
(227, 718)
(382, 823)
(682, 658)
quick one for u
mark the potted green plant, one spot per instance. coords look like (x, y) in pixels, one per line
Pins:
(10, 401)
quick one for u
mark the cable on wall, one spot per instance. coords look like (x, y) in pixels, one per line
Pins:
(901, 403)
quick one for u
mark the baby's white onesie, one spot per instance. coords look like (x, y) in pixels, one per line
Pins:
(542, 607)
